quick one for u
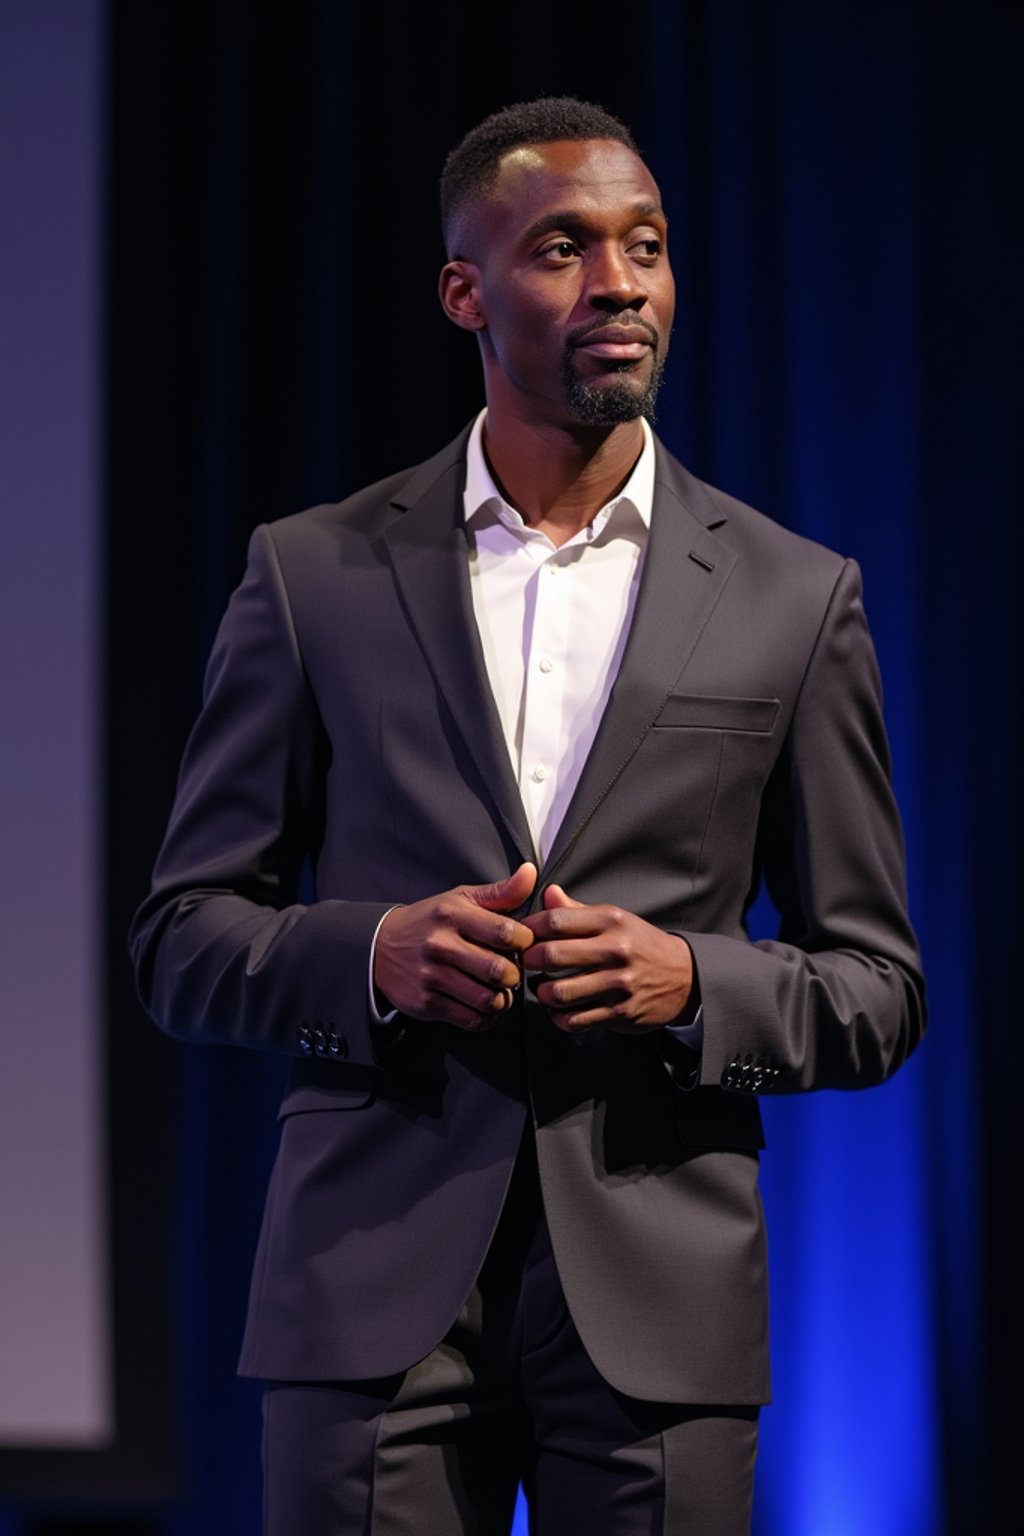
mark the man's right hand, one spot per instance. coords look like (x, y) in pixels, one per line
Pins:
(454, 957)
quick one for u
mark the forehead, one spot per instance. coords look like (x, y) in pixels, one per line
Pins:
(594, 179)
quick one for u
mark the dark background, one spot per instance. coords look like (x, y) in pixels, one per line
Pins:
(843, 183)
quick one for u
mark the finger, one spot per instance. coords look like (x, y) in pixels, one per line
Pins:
(566, 923)
(465, 1006)
(597, 1000)
(487, 1000)
(576, 1021)
(455, 996)
(570, 954)
(608, 1018)
(581, 989)
(449, 952)
(554, 896)
(494, 931)
(461, 1017)
(505, 895)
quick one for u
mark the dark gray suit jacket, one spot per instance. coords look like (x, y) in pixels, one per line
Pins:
(348, 723)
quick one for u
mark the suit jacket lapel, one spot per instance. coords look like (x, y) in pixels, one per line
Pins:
(427, 545)
(685, 571)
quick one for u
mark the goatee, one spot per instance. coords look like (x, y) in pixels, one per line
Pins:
(609, 404)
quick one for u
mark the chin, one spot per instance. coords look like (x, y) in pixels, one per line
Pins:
(605, 405)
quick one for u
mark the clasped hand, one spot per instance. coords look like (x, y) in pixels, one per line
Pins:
(460, 956)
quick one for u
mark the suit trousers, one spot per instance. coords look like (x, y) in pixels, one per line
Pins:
(508, 1396)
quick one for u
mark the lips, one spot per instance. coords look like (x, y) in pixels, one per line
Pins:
(618, 342)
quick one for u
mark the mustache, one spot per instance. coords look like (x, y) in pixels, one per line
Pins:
(607, 323)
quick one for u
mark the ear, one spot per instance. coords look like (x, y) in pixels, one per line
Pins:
(461, 298)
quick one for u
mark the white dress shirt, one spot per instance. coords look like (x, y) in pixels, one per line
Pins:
(553, 624)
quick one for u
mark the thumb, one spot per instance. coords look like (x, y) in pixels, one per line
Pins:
(554, 896)
(505, 895)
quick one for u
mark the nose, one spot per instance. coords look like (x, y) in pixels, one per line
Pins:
(616, 283)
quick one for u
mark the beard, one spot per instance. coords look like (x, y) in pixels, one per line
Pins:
(608, 404)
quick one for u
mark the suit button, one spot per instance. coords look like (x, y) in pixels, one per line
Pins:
(319, 1040)
(306, 1040)
(336, 1045)
(744, 1074)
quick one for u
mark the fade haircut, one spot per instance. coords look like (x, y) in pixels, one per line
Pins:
(472, 166)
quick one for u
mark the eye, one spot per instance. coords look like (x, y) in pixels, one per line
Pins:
(647, 249)
(559, 251)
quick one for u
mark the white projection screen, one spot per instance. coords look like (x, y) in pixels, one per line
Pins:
(56, 1348)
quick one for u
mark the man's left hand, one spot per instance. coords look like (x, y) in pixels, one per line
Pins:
(601, 965)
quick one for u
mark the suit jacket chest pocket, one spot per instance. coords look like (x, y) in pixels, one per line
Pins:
(706, 712)
(736, 741)
(700, 774)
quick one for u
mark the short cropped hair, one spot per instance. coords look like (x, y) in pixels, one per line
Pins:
(472, 166)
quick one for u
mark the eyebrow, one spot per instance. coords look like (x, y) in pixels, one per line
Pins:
(572, 218)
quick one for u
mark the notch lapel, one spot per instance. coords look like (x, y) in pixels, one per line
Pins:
(685, 572)
(427, 546)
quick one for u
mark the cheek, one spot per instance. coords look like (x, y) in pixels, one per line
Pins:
(527, 332)
(664, 306)
(540, 311)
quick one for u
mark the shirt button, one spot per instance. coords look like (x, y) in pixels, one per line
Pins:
(539, 774)
(547, 665)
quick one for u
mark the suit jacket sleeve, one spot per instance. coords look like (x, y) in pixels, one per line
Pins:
(223, 949)
(837, 1000)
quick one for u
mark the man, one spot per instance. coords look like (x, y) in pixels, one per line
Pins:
(539, 714)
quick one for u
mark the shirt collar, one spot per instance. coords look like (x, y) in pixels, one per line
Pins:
(638, 490)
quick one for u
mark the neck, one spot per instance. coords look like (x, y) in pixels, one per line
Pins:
(559, 478)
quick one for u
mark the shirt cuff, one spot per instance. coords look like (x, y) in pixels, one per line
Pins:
(375, 1015)
(691, 1034)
